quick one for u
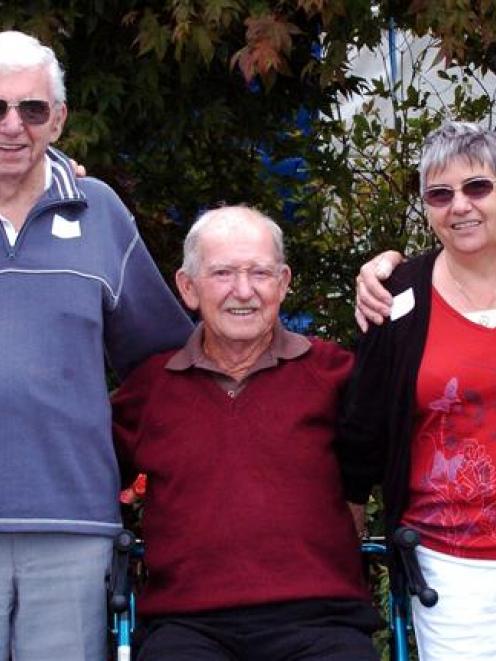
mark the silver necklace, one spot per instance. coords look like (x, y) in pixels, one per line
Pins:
(476, 307)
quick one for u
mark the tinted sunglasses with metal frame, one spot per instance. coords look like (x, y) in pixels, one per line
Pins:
(474, 189)
(31, 111)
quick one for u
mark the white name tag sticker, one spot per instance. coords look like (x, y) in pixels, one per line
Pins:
(65, 229)
(402, 304)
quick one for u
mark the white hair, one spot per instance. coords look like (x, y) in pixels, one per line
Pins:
(451, 140)
(230, 217)
(19, 51)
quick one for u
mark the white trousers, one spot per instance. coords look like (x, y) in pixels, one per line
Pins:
(462, 625)
(53, 597)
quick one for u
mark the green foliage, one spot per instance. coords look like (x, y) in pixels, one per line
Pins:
(162, 109)
(365, 184)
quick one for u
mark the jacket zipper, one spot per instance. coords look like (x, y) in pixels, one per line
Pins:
(13, 250)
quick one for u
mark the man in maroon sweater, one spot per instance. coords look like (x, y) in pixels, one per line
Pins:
(250, 547)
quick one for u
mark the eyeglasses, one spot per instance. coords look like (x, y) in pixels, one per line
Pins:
(255, 275)
(474, 189)
(31, 111)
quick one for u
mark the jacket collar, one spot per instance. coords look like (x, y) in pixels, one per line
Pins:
(64, 183)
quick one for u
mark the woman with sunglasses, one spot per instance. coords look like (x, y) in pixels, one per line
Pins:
(421, 410)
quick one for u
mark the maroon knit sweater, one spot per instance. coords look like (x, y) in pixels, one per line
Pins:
(244, 504)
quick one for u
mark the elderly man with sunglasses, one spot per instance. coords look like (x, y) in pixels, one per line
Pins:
(421, 410)
(76, 286)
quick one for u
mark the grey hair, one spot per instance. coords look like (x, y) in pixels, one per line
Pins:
(229, 216)
(20, 51)
(451, 140)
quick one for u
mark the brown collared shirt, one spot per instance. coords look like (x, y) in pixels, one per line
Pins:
(284, 345)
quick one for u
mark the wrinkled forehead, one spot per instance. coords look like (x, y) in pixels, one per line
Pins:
(26, 82)
(232, 242)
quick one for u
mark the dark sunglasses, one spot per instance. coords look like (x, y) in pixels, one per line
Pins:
(31, 111)
(474, 189)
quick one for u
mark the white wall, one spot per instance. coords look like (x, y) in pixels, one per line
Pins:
(409, 50)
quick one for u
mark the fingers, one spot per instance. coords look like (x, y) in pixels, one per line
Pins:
(361, 319)
(369, 307)
(78, 169)
(373, 301)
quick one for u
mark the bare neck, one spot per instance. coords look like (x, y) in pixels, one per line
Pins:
(235, 357)
(471, 267)
(468, 282)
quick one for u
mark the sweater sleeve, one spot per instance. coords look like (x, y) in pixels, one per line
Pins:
(334, 363)
(147, 318)
(129, 405)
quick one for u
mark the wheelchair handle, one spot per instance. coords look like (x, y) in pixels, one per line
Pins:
(406, 540)
(118, 589)
(124, 541)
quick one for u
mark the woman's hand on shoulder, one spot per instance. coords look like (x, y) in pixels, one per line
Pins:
(373, 301)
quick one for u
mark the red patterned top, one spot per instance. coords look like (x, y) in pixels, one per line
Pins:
(453, 476)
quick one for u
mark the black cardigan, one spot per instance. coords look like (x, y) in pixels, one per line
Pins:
(378, 415)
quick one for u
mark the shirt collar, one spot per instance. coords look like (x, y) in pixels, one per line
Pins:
(285, 345)
(48, 172)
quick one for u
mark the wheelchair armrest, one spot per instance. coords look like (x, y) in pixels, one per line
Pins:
(405, 540)
(117, 582)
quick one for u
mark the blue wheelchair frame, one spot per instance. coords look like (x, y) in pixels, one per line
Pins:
(398, 619)
(413, 583)
(122, 609)
(120, 597)
(122, 629)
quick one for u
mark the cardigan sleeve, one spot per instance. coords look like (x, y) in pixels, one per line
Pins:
(376, 420)
(360, 443)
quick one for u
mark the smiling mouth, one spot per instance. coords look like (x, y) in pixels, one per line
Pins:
(241, 312)
(465, 224)
(11, 148)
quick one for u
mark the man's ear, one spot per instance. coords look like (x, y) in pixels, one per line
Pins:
(285, 279)
(187, 289)
(58, 121)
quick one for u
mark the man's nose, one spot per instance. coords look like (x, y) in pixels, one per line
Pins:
(243, 285)
(11, 121)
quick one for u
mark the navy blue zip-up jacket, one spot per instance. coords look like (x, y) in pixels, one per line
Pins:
(77, 286)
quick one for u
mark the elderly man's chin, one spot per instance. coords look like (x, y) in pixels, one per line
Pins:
(16, 164)
(250, 327)
(12, 160)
